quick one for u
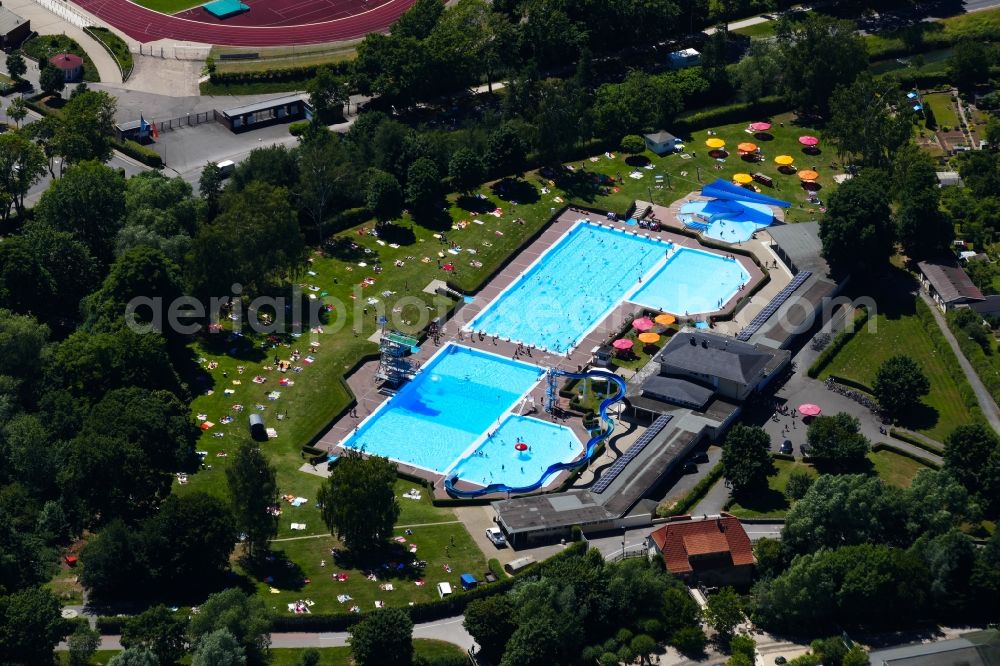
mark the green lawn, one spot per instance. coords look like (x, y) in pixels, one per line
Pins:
(943, 108)
(894, 468)
(757, 30)
(44, 47)
(899, 329)
(771, 503)
(169, 6)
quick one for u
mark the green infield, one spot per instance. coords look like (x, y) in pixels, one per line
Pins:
(168, 6)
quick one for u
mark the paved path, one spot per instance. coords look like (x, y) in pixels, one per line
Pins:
(396, 527)
(986, 402)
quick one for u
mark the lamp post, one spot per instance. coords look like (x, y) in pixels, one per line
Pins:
(624, 532)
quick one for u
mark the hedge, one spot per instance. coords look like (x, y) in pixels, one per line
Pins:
(111, 625)
(696, 494)
(884, 446)
(299, 127)
(452, 605)
(137, 151)
(278, 74)
(826, 356)
(732, 113)
(908, 437)
(975, 355)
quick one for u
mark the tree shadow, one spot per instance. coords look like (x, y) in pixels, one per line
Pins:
(637, 161)
(863, 466)
(278, 571)
(390, 561)
(583, 185)
(344, 248)
(762, 499)
(394, 233)
(515, 189)
(435, 218)
(920, 416)
(475, 204)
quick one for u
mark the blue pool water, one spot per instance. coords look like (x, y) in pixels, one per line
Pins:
(456, 397)
(497, 461)
(570, 288)
(729, 221)
(692, 281)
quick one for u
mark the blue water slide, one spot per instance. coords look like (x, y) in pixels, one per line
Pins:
(723, 189)
(607, 428)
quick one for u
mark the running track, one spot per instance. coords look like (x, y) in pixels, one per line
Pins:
(145, 25)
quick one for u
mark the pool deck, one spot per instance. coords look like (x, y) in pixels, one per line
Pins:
(365, 389)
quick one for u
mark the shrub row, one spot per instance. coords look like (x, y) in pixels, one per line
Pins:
(452, 605)
(975, 355)
(116, 48)
(826, 356)
(904, 435)
(137, 151)
(942, 347)
(885, 446)
(299, 127)
(732, 113)
(110, 625)
(278, 74)
(696, 494)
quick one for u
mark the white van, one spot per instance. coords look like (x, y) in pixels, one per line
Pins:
(444, 589)
(226, 167)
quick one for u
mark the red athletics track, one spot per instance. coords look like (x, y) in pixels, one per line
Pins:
(145, 25)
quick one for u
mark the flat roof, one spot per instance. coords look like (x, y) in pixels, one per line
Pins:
(801, 244)
(9, 20)
(266, 104)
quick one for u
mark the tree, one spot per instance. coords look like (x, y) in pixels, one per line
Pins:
(192, 536)
(465, 170)
(985, 579)
(643, 646)
(243, 616)
(809, 80)
(419, 20)
(309, 657)
(869, 121)
(384, 638)
(967, 452)
(759, 72)
(923, 229)
(633, 144)
(689, 640)
(770, 558)
(324, 167)
(327, 95)
(83, 643)
(798, 485)
(383, 195)
(937, 502)
(31, 625)
(141, 272)
(253, 489)
(17, 110)
(88, 202)
(950, 559)
(423, 187)
(842, 509)
(837, 441)
(16, 66)
(724, 611)
(218, 648)
(22, 164)
(158, 630)
(534, 643)
(969, 65)
(743, 646)
(746, 457)
(210, 186)
(856, 232)
(561, 117)
(506, 153)
(899, 384)
(86, 127)
(134, 657)
(51, 80)
(359, 501)
(490, 621)
(112, 562)
(276, 166)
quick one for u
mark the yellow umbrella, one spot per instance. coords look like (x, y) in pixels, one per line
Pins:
(742, 178)
(747, 147)
(808, 174)
(665, 319)
(715, 143)
(649, 338)
(784, 160)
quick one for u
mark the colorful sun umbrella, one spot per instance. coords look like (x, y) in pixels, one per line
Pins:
(742, 178)
(760, 127)
(715, 143)
(808, 140)
(810, 409)
(642, 324)
(649, 338)
(449, 267)
(521, 446)
(665, 319)
(784, 160)
(747, 147)
(622, 344)
(808, 174)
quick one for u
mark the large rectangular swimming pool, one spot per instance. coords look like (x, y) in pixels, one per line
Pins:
(591, 269)
(447, 410)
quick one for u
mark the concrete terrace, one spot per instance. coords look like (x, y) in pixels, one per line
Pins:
(366, 391)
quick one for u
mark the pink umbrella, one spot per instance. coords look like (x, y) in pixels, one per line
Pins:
(449, 267)
(643, 324)
(810, 410)
(622, 344)
(760, 127)
(808, 140)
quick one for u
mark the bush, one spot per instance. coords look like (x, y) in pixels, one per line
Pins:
(137, 151)
(733, 113)
(115, 46)
(298, 128)
(278, 74)
(695, 494)
(441, 660)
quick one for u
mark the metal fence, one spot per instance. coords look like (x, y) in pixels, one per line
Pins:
(172, 52)
(190, 120)
(635, 550)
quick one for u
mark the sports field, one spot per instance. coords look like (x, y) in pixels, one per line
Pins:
(169, 6)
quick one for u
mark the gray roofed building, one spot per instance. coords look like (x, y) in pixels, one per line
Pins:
(799, 246)
(979, 648)
(716, 360)
(661, 142)
(13, 28)
(946, 283)
(677, 391)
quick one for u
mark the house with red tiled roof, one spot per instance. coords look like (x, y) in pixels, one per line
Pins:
(713, 550)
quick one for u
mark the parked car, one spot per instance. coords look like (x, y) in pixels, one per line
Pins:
(786, 447)
(698, 458)
(496, 536)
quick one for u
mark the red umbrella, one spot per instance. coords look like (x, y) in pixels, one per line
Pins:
(760, 127)
(622, 344)
(521, 446)
(449, 267)
(808, 140)
(643, 324)
(809, 409)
